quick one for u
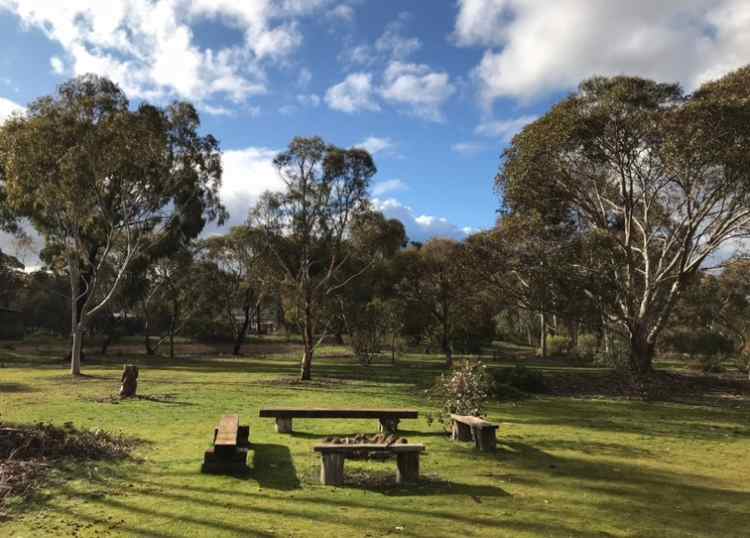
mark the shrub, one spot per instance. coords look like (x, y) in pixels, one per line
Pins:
(559, 345)
(711, 364)
(519, 377)
(464, 390)
(742, 362)
(587, 347)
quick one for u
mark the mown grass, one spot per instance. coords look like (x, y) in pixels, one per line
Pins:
(565, 467)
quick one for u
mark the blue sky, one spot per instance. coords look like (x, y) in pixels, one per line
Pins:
(434, 88)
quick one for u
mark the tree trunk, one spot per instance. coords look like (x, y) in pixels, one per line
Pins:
(641, 351)
(258, 326)
(543, 337)
(447, 347)
(75, 354)
(240, 336)
(307, 336)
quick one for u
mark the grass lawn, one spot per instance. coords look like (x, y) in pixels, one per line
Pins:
(565, 466)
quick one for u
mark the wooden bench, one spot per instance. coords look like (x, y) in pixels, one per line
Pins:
(389, 418)
(230, 445)
(468, 428)
(332, 457)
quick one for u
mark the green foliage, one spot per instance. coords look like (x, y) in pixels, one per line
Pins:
(698, 342)
(712, 363)
(587, 347)
(463, 391)
(742, 362)
(559, 345)
(519, 377)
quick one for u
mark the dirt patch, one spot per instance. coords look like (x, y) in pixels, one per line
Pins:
(319, 382)
(27, 452)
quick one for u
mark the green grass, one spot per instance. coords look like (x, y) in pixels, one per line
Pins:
(565, 467)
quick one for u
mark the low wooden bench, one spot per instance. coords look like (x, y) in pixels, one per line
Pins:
(389, 418)
(332, 457)
(230, 445)
(468, 428)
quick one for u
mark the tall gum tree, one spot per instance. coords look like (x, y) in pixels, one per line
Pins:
(658, 181)
(101, 181)
(306, 227)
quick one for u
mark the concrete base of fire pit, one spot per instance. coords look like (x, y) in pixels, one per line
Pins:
(333, 455)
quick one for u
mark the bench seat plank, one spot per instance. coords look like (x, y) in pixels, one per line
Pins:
(474, 422)
(306, 412)
(227, 431)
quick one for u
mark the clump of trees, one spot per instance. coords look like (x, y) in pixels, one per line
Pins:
(615, 206)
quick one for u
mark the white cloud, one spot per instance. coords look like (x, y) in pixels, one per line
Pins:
(415, 85)
(148, 47)
(304, 77)
(539, 47)
(217, 110)
(360, 55)
(419, 227)
(57, 65)
(288, 110)
(394, 43)
(374, 144)
(248, 173)
(8, 107)
(389, 185)
(308, 100)
(342, 12)
(468, 148)
(353, 94)
(504, 129)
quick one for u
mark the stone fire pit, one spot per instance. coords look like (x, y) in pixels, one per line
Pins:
(336, 450)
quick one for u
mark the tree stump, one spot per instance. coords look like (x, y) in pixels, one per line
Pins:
(407, 467)
(129, 381)
(331, 469)
(461, 431)
(283, 425)
(389, 425)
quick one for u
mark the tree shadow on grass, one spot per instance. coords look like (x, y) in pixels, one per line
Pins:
(16, 387)
(273, 467)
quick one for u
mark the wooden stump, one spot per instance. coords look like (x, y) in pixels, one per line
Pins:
(129, 381)
(283, 425)
(389, 425)
(331, 469)
(485, 439)
(407, 467)
(461, 431)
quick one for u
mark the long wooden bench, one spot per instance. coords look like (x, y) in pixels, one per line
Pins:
(468, 428)
(389, 418)
(332, 457)
(230, 445)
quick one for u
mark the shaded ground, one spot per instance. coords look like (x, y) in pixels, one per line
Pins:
(565, 466)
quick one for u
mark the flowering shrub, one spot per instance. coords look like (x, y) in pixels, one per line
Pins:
(464, 390)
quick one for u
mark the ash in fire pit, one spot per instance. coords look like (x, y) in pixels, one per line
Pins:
(363, 439)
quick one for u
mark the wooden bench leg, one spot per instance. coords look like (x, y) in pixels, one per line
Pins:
(461, 432)
(331, 469)
(389, 425)
(485, 439)
(283, 425)
(407, 467)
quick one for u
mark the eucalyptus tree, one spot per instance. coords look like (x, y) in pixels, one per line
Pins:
(658, 181)
(306, 224)
(242, 261)
(103, 181)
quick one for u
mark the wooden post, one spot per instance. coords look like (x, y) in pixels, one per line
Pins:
(485, 439)
(129, 381)
(407, 467)
(461, 431)
(283, 425)
(389, 425)
(331, 468)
